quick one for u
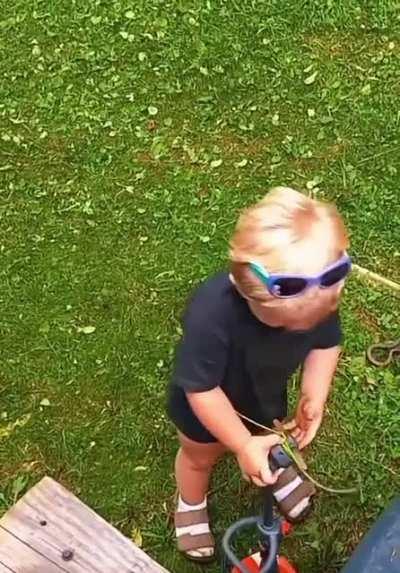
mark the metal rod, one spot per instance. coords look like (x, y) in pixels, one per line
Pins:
(268, 512)
(269, 563)
(269, 552)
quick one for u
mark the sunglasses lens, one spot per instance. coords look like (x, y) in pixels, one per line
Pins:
(287, 286)
(335, 275)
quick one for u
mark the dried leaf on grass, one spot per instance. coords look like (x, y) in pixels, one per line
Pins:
(7, 430)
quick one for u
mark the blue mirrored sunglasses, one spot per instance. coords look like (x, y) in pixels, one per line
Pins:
(288, 286)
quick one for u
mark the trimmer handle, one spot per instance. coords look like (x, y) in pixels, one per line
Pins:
(278, 458)
(268, 526)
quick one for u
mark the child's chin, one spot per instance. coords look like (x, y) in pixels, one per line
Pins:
(301, 326)
(297, 327)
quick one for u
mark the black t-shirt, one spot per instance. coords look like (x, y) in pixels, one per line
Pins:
(225, 345)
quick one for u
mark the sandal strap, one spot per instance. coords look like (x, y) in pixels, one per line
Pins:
(305, 489)
(189, 542)
(194, 517)
(286, 477)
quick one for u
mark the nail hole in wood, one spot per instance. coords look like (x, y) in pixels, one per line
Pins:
(67, 555)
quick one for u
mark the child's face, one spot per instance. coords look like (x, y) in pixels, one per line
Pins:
(300, 313)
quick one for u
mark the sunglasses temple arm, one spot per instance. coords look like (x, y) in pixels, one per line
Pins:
(261, 273)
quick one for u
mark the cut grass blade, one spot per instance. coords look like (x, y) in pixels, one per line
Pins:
(297, 458)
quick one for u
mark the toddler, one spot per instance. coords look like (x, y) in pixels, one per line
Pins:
(244, 334)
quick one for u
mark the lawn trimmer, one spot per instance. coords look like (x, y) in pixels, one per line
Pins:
(270, 530)
(378, 551)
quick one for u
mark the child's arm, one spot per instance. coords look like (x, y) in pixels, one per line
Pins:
(216, 413)
(318, 371)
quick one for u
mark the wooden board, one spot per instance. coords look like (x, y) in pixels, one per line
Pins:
(49, 521)
(10, 547)
(4, 569)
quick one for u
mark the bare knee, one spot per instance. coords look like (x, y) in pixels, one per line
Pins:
(198, 461)
(199, 457)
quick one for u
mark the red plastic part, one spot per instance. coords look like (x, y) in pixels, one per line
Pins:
(286, 528)
(250, 564)
(284, 566)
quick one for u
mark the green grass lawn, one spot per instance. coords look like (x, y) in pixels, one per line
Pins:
(131, 134)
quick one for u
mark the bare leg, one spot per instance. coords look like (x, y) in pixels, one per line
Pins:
(193, 466)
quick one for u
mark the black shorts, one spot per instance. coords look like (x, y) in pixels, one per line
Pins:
(186, 421)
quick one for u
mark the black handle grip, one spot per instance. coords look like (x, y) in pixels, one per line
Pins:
(278, 458)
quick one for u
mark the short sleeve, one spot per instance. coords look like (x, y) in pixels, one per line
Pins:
(329, 333)
(202, 353)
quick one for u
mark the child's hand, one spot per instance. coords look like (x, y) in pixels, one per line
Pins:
(307, 421)
(253, 459)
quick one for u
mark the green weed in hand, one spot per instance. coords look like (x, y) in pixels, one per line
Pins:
(296, 457)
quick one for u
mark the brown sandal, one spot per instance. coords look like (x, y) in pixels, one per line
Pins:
(300, 494)
(188, 542)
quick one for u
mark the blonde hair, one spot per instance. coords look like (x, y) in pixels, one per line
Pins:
(287, 232)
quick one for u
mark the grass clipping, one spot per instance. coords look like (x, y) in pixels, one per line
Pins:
(297, 458)
(8, 429)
